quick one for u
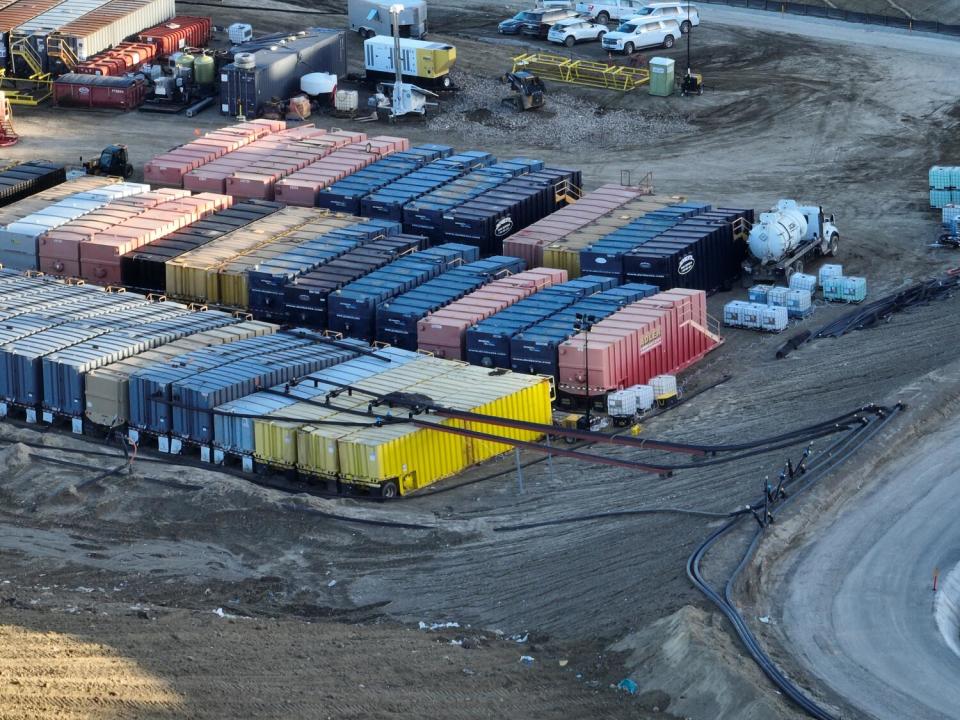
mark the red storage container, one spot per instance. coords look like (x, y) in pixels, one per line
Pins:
(178, 33)
(98, 91)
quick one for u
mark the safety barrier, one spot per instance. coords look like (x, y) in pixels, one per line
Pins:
(582, 72)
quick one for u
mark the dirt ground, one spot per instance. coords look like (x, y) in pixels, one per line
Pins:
(851, 126)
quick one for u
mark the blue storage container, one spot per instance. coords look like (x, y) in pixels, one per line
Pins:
(488, 342)
(352, 309)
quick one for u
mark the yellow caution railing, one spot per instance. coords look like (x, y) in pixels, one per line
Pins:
(608, 76)
(39, 88)
(566, 192)
(58, 47)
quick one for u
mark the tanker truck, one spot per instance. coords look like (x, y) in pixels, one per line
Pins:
(783, 238)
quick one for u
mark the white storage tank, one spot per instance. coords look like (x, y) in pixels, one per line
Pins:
(240, 33)
(829, 271)
(799, 281)
(621, 404)
(777, 232)
(644, 397)
(664, 387)
(347, 100)
(774, 318)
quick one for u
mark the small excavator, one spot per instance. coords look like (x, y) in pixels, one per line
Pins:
(113, 161)
(529, 92)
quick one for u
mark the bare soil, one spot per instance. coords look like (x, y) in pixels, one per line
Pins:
(854, 127)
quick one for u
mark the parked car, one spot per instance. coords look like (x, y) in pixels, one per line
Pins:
(540, 26)
(603, 11)
(639, 33)
(573, 30)
(687, 15)
(512, 26)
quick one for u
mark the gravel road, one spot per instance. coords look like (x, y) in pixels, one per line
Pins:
(859, 602)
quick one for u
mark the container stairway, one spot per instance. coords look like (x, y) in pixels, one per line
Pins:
(39, 83)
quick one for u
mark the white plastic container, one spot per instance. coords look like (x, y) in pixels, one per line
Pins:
(778, 296)
(799, 281)
(950, 212)
(758, 294)
(829, 271)
(751, 315)
(240, 33)
(347, 100)
(622, 403)
(319, 83)
(733, 313)
(799, 303)
(644, 397)
(774, 318)
(664, 386)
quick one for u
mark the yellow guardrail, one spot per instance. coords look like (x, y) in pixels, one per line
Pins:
(39, 88)
(582, 72)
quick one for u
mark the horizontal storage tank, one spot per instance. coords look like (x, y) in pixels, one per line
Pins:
(535, 350)
(425, 214)
(177, 33)
(605, 257)
(488, 342)
(528, 243)
(397, 319)
(169, 168)
(442, 333)
(29, 42)
(269, 271)
(100, 256)
(27, 178)
(65, 371)
(279, 61)
(15, 14)
(352, 310)
(21, 208)
(125, 58)
(19, 240)
(105, 26)
(107, 387)
(778, 232)
(99, 91)
(58, 250)
(489, 218)
(306, 297)
(145, 269)
(661, 334)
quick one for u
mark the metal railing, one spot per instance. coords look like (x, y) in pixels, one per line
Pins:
(602, 75)
(821, 11)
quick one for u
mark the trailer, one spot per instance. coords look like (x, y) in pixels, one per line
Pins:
(429, 63)
(786, 237)
(372, 17)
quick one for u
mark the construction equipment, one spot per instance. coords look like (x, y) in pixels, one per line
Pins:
(529, 92)
(113, 161)
(608, 76)
(8, 135)
(691, 84)
(398, 98)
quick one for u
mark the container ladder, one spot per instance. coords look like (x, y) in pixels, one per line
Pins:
(566, 193)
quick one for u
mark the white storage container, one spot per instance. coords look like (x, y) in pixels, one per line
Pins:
(751, 315)
(778, 296)
(799, 281)
(799, 303)
(319, 83)
(829, 271)
(774, 318)
(950, 212)
(733, 313)
(622, 403)
(664, 386)
(644, 397)
(240, 33)
(758, 294)
(347, 100)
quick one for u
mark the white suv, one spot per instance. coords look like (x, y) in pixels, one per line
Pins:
(603, 11)
(687, 15)
(642, 32)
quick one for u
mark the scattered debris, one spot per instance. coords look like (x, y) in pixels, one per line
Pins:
(628, 685)
(526, 660)
(438, 626)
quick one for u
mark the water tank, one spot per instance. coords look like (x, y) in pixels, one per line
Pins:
(318, 83)
(185, 60)
(203, 70)
(777, 233)
(239, 33)
(245, 60)
(347, 100)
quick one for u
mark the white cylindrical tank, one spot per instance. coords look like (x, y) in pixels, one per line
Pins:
(777, 233)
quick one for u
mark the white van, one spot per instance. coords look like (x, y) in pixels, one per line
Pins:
(641, 32)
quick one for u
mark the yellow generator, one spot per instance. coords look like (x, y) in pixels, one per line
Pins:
(422, 63)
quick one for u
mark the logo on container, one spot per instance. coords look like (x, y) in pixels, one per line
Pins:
(503, 227)
(686, 264)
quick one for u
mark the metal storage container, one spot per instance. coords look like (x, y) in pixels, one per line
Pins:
(397, 319)
(177, 33)
(104, 26)
(99, 91)
(29, 41)
(27, 178)
(280, 61)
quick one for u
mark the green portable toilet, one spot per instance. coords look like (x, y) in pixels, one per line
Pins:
(661, 76)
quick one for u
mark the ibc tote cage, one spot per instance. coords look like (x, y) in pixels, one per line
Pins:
(582, 72)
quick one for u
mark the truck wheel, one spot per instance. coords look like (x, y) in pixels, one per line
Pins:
(603, 17)
(668, 41)
(569, 41)
(797, 267)
(685, 26)
(389, 490)
(834, 244)
(628, 49)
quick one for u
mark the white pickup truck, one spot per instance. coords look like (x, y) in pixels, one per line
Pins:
(603, 11)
